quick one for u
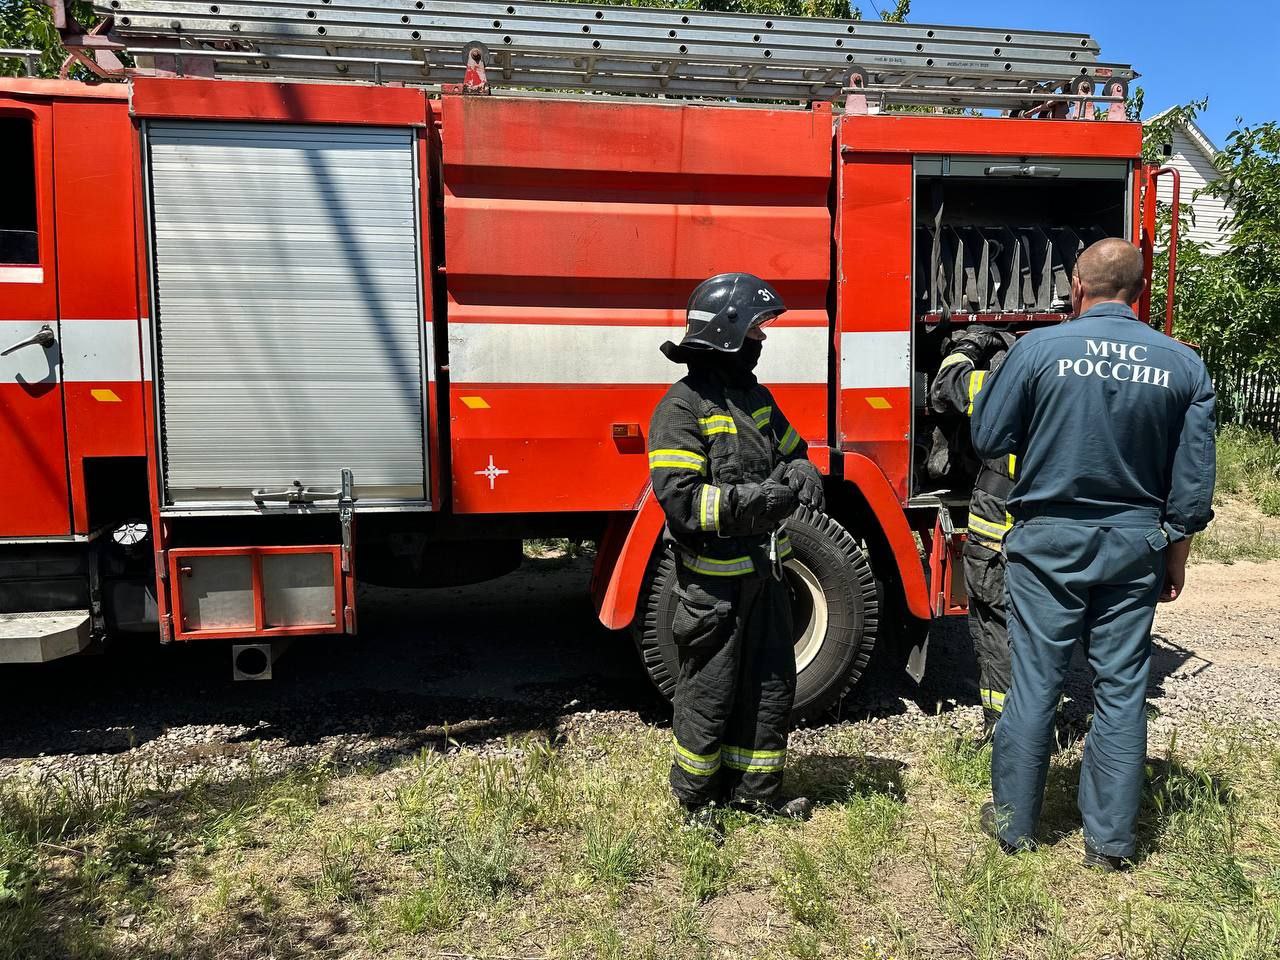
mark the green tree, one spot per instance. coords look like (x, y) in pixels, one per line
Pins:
(28, 25)
(1230, 302)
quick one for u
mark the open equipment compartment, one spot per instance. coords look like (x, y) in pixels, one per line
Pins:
(996, 240)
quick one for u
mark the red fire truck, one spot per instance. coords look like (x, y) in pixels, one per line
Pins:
(299, 298)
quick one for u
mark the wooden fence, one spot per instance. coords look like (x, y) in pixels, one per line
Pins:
(1248, 398)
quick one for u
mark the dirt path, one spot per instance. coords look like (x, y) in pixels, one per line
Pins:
(1217, 649)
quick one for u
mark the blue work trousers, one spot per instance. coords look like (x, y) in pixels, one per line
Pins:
(1068, 581)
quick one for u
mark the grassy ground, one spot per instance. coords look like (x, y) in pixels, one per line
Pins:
(573, 850)
(1247, 500)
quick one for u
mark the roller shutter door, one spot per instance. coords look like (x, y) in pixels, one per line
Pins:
(289, 323)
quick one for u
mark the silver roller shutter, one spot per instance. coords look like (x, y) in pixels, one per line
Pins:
(289, 326)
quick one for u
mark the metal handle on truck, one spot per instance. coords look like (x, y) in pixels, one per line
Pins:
(296, 494)
(1173, 242)
(1148, 242)
(1022, 170)
(42, 337)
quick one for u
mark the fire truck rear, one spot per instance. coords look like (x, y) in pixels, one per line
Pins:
(300, 300)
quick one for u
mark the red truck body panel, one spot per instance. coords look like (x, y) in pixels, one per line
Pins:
(81, 398)
(574, 233)
(874, 315)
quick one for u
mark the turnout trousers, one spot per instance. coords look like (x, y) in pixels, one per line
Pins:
(1070, 582)
(735, 689)
(984, 580)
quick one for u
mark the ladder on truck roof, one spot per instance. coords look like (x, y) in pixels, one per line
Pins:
(612, 49)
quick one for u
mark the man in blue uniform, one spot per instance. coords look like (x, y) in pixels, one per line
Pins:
(1112, 423)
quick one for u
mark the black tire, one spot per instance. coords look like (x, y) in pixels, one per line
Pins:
(829, 577)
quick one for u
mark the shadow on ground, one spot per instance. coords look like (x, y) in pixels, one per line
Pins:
(516, 655)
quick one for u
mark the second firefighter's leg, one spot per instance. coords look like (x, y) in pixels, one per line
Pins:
(984, 577)
(706, 629)
(755, 747)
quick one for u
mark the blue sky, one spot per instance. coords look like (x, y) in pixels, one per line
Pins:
(1184, 50)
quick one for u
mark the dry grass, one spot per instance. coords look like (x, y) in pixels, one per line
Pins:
(574, 850)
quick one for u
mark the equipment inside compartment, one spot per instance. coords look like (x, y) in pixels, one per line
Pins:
(998, 250)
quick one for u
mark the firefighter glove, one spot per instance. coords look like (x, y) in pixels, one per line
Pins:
(803, 477)
(780, 496)
(977, 342)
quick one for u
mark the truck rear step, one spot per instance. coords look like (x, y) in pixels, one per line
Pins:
(43, 635)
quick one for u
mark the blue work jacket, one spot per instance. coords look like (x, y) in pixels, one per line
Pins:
(1112, 423)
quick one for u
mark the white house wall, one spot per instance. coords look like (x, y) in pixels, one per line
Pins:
(1197, 171)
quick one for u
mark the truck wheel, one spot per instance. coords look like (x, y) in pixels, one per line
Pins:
(835, 605)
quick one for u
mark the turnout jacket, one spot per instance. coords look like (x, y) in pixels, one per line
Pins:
(954, 391)
(1113, 423)
(713, 440)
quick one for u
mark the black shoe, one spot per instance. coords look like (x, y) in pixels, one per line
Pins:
(1103, 861)
(704, 819)
(989, 718)
(987, 818)
(797, 808)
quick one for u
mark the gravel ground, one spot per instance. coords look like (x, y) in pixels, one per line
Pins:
(477, 665)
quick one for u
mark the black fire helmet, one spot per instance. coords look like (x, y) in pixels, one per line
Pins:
(720, 312)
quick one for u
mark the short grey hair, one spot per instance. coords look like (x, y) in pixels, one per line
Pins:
(1111, 269)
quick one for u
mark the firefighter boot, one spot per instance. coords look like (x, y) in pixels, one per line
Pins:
(706, 819)
(1101, 861)
(989, 718)
(989, 819)
(797, 808)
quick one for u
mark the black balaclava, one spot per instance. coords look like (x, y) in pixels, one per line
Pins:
(747, 358)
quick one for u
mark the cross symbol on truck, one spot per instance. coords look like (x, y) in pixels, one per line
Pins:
(491, 472)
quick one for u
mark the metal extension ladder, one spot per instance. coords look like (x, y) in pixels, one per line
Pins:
(612, 49)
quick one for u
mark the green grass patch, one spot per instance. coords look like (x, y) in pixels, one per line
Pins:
(1246, 500)
(1249, 466)
(576, 850)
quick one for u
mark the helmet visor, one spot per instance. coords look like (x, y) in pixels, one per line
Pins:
(766, 318)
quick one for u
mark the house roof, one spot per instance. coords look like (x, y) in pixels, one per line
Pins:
(1193, 132)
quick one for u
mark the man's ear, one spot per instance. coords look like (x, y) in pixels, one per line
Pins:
(1142, 289)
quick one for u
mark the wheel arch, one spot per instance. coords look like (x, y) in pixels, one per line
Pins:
(623, 560)
(863, 502)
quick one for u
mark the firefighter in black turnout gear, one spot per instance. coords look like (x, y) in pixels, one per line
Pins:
(975, 353)
(728, 469)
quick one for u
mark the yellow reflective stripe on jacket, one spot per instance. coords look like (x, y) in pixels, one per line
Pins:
(736, 567)
(790, 440)
(762, 417)
(992, 699)
(1013, 464)
(976, 379)
(709, 508)
(698, 764)
(989, 529)
(677, 460)
(754, 761)
(954, 359)
(717, 423)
